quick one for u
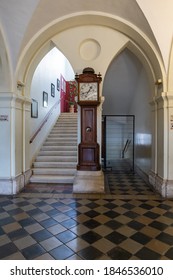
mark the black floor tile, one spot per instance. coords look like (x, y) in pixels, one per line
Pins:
(69, 223)
(17, 234)
(92, 205)
(115, 237)
(168, 214)
(48, 223)
(131, 214)
(61, 253)
(91, 213)
(72, 213)
(27, 222)
(128, 206)
(111, 214)
(41, 235)
(22, 203)
(52, 212)
(140, 238)
(146, 206)
(90, 253)
(34, 212)
(158, 225)
(110, 205)
(169, 253)
(91, 224)
(118, 253)
(66, 236)
(7, 250)
(6, 221)
(15, 211)
(90, 237)
(164, 206)
(151, 215)
(32, 252)
(113, 224)
(166, 238)
(147, 254)
(1, 231)
(135, 225)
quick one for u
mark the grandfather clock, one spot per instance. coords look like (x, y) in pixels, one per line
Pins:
(88, 100)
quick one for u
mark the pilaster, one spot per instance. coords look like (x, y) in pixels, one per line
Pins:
(161, 176)
(13, 171)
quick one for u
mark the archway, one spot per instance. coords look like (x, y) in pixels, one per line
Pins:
(128, 89)
(130, 36)
(5, 71)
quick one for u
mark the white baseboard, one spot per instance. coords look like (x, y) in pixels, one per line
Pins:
(14, 185)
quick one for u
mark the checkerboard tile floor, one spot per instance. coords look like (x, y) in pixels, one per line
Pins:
(42, 225)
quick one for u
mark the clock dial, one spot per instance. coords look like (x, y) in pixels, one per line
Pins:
(88, 91)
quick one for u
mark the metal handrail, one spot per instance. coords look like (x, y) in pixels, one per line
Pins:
(44, 121)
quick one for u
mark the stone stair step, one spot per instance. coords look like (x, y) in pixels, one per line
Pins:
(62, 165)
(63, 131)
(54, 143)
(56, 158)
(59, 179)
(62, 135)
(54, 171)
(59, 148)
(66, 139)
(57, 153)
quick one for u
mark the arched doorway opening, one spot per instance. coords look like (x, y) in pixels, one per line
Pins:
(128, 132)
(48, 92)
(150, 57)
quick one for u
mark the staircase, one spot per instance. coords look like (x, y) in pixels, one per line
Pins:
(57, 159)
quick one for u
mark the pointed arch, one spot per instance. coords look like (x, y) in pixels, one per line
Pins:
(170, 71)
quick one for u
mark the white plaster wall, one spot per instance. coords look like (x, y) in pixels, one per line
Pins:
(90, 46)
(49, 69)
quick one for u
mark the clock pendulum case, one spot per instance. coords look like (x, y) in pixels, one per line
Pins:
(88, 100)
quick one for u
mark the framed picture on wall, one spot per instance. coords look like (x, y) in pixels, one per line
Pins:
(34, 109)
(45, 99)
(58, 84)
(52, 90)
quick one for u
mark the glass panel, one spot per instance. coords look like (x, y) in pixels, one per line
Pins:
(119, 142)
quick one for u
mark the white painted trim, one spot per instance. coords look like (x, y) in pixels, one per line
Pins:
(162, 186)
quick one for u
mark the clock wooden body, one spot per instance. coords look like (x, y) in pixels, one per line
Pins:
(88, 99)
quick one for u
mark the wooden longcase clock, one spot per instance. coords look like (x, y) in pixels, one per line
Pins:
(88, 100)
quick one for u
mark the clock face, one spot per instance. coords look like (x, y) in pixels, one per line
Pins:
(88, 91)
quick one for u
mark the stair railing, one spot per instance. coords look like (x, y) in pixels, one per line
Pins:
(44, 121)
(126, 146)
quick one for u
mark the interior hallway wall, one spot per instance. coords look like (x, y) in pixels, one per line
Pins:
(47, 72)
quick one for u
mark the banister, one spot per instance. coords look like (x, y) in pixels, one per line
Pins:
(126, 147)
(44, 121)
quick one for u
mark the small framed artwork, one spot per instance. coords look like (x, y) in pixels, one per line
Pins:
(52, 90)
(34, 109)
(58, 84)
(45, 99)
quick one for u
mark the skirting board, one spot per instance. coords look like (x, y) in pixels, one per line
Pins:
(14, 185)
(162, 186)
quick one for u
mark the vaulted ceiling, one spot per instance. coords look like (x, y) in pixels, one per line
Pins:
(21, 20)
